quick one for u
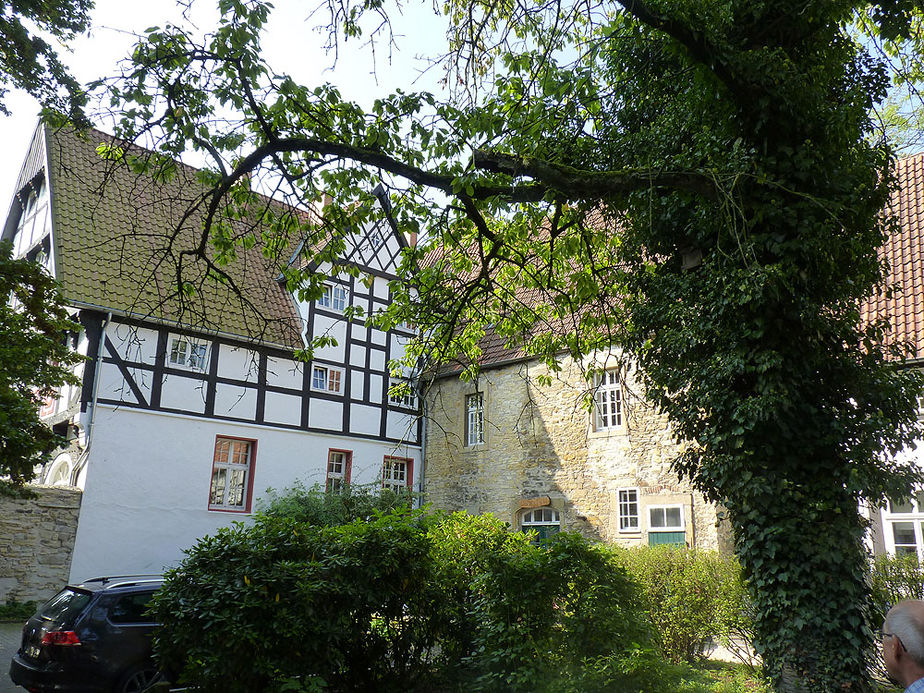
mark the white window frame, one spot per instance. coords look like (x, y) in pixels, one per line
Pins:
(226, 464)
(397, 473)
(913, 516)
(666, 528)
(322, 379)
(188, 353)
(609, 414)
(334, 297)
(474, 419)
(540, 517)
(339, 464)
(627, 499)
(407, 398)
(535, 518)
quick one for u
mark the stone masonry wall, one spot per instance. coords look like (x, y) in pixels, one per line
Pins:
(36, 542)
(539, 441)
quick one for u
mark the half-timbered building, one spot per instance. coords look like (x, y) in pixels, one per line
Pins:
(192, 403)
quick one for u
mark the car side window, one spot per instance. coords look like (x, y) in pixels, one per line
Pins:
(131, 608)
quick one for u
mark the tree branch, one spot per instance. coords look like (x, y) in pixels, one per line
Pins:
(576, 183)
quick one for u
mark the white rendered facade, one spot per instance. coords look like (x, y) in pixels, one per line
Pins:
(179, 429)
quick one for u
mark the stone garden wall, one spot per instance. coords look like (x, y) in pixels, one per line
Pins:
(36, 542)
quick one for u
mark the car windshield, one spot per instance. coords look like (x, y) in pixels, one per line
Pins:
(65, 606)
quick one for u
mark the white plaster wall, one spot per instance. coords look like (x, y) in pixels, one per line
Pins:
(365, 419)
(113, 386)
(401, 425)
(324, 413)
(284, 373)
(236, 401)
(238, 363)
(330, 327)
(283, 409)
(147, 483)
(133, 343)
(179, 392)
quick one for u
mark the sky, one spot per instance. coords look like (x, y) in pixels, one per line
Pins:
(292, 44)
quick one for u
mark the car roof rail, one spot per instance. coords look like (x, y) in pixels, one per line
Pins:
(121, 580)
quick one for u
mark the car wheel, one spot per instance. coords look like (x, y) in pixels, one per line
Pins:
(139, 678)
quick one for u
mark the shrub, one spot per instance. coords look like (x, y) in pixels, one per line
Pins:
(315, 506)
(404, 601)
(17, 611)
(565, 616)
(693, 598)
(892, 579)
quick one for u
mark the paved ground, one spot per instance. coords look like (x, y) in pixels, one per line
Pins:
(9, 643)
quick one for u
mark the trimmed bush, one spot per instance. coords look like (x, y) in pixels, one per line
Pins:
(693, 598)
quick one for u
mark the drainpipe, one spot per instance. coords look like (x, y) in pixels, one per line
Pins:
(84, 456)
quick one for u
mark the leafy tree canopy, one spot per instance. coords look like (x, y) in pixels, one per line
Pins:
(699, 183)
(35, 359)
(30, 62)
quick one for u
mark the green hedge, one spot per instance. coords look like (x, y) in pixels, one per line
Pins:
(17, 611)
(404, 601)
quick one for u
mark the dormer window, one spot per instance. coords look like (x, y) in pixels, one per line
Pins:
(187, 353)
(334, 297)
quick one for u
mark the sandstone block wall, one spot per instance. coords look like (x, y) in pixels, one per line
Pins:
(540, 441)
(36, 542)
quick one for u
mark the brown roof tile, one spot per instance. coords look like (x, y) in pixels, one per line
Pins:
(113, 231)
(904, 252)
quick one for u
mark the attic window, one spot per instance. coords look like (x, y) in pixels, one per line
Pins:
(334, 297)
(376, 239)
(188, 354)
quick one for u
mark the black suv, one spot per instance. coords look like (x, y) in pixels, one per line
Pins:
(95, 636)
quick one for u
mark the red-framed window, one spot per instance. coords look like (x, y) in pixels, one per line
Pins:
(232, 474)
(339, 468)
(397, 473)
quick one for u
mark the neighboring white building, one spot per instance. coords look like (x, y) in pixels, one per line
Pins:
(192, 404)
(898, 528)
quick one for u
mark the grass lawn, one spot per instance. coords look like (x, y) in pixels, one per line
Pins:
(724, 677)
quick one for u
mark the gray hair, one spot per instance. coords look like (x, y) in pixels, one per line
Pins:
(901, 621)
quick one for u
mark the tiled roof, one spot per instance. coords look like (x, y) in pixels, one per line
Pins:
(118, 236)
(904, 252)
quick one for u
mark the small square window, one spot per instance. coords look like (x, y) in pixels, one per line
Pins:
(188, 353)
(402, 394)
(326, 379)
(334, 296)
(665, 518)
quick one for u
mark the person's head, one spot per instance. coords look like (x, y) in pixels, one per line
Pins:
(903, 641)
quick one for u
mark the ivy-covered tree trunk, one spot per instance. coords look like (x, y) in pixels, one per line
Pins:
(812, 636)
